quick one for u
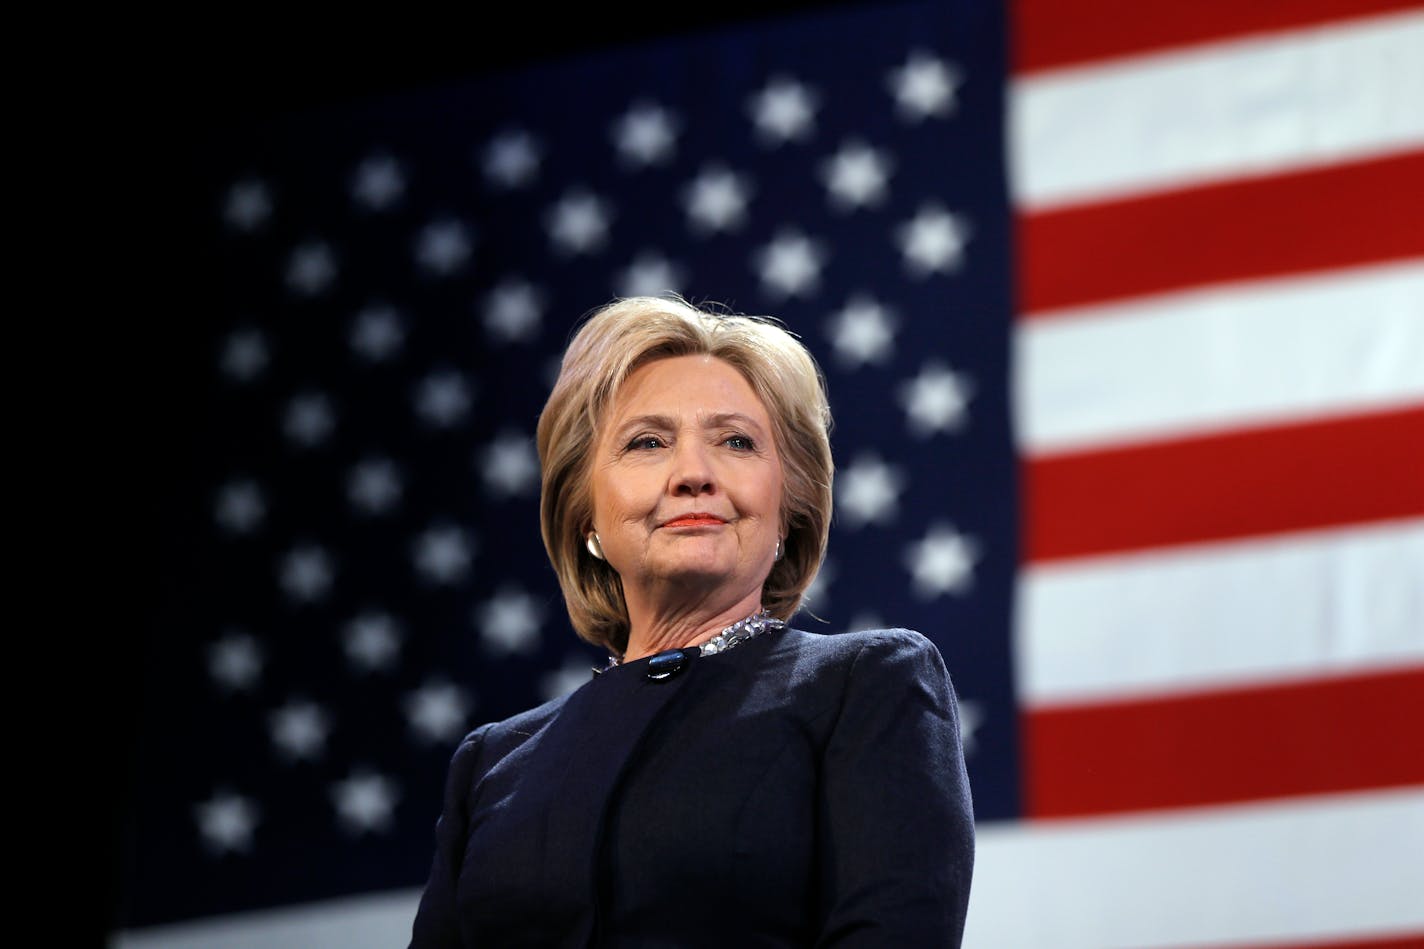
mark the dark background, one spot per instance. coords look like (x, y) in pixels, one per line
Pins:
(155, 108)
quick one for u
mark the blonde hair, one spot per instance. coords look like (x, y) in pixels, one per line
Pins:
(610, 345)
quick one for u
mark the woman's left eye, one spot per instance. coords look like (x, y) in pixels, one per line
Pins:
(740, 442)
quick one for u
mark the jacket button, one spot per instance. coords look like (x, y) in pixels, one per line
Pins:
(666, 664)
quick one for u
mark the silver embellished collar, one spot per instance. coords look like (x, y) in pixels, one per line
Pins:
(739, 632)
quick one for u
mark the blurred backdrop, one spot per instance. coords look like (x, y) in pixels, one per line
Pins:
(1121, 309)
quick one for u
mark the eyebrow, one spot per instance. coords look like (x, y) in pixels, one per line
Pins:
(668, 423)
(660, 422)
(730, 418)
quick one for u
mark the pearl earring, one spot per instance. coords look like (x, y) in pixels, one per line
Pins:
(594, 547)
(780, 550)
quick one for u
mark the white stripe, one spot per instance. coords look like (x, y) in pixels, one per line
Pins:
(1279, 873)
(1144, 123)
(1221, 614)
(1242, 354)
(377, 921)
(1340, 865)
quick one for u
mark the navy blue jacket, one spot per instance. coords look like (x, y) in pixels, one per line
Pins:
(797, 790)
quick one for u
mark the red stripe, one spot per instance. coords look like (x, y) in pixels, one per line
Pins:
(1243, 483)
(1398, 941)
(1321, 736)
(1052, 33)
(1343, 215)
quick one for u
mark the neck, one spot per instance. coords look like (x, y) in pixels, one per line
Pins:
(688, 624)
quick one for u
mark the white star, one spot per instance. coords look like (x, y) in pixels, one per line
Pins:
(364, 802)
(308, 420)
(575, 671)
(374, 486)
(438, 712)
(311, 269)
(443, 247)
(509, 622)
(791, 264)
(933, 241)
(868, 492)
(856, 176)
(925, 86)
(942, 562)
(513, 312)
(239, 508)
(649, 275)
(716, 200)
(306, 573)
(512, 159)
(865, 620)
(378, 183)
(235, 662)
(783, 110)
(371, 642)
(443, 398)
(299, 730)
(862, 332)
(244, 355)
(971, 716)
(644, 135)
(510, 465)
(376, 332)
(936, 400)
(226, 822)
(248, 205)
(442, 554)
(578, 224)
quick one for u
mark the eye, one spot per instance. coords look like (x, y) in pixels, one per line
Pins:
(644, 442)
(740, 443)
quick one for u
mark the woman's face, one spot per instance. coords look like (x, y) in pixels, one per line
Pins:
(687, 481)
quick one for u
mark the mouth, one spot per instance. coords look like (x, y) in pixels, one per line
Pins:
(696, 519)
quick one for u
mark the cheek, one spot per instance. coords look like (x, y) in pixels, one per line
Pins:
(775, 499)
(624, 499)
(765, 500)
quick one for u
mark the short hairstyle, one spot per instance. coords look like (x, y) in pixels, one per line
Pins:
(630, 333)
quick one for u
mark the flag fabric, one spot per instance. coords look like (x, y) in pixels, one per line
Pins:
(1219, 403)
(1122, 317)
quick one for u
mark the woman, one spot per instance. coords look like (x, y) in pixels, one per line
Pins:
(727, 781)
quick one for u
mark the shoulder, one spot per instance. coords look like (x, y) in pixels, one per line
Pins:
(834, 664)
(871, 647)
(484, 746)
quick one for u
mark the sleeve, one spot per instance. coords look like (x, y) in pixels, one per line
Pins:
(895, 818)
(436, 922)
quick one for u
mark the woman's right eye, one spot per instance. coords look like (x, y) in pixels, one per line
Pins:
(645, 442)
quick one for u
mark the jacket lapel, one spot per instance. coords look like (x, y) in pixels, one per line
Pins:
(594, 737)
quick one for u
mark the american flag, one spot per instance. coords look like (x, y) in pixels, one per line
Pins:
(1121, 309)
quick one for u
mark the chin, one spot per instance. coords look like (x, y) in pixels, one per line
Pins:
(697, 574)
(696, 569)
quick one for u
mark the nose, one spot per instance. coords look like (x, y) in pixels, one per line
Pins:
(692, 469)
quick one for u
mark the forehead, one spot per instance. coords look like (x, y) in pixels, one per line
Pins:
(686, 385)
